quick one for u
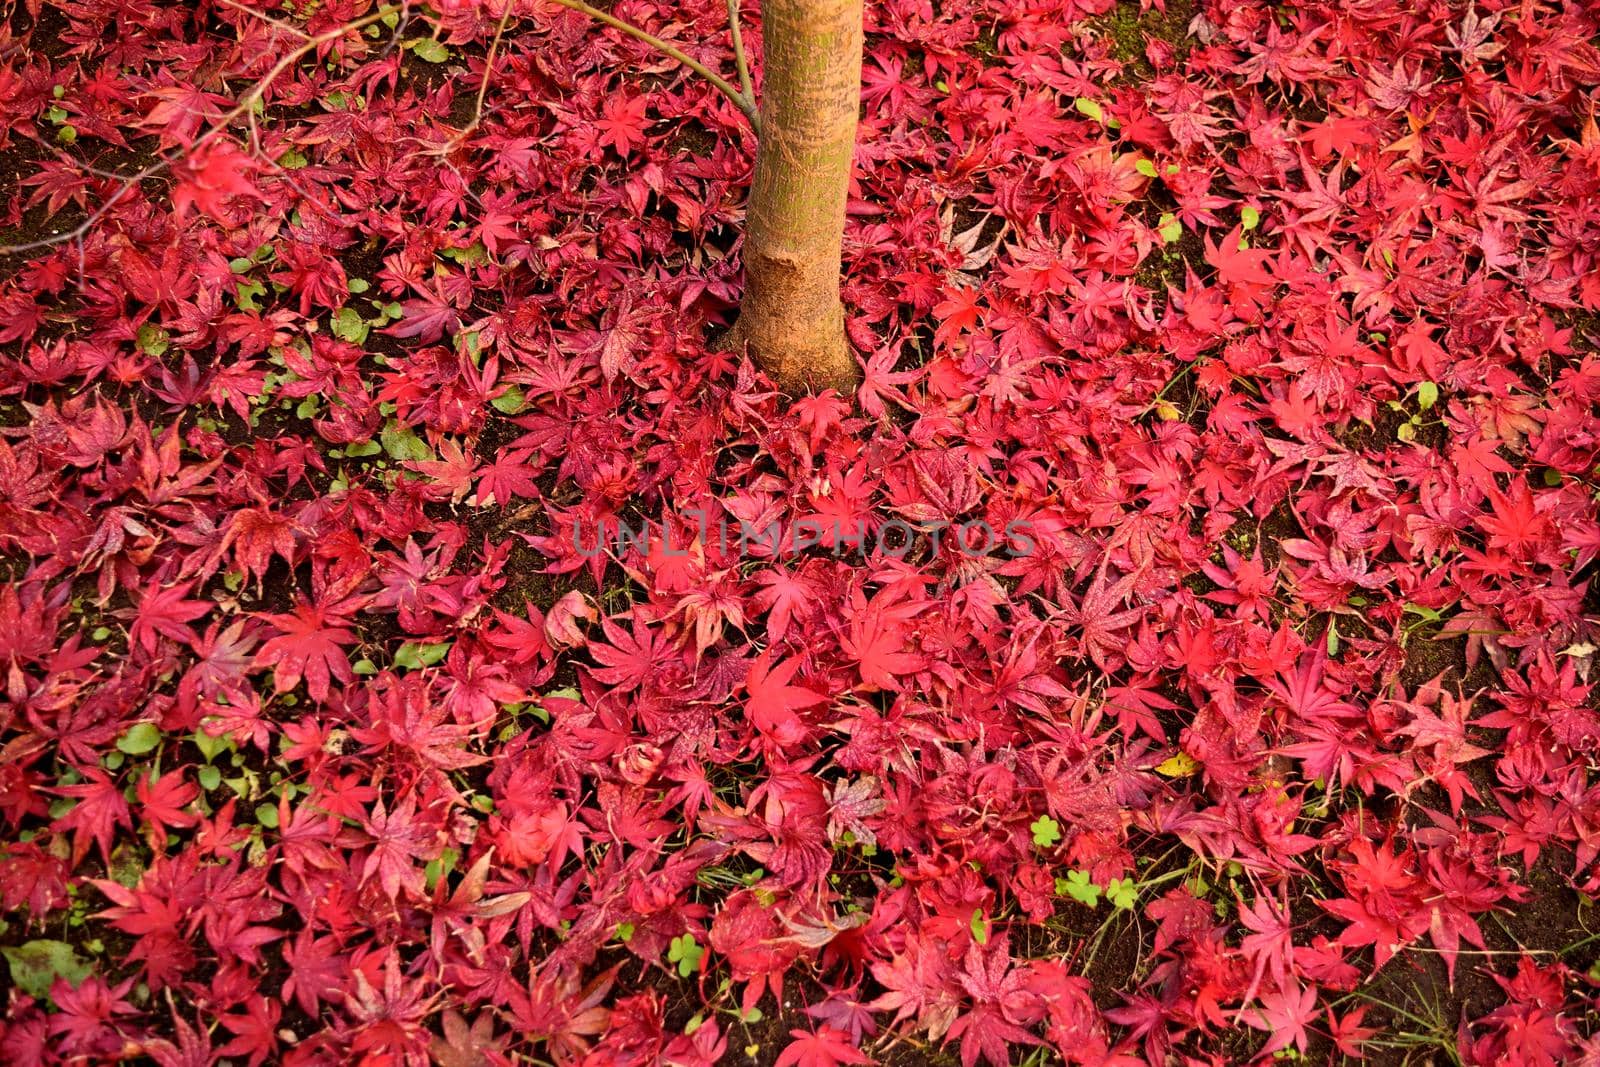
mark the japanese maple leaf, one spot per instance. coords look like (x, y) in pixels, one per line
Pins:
(464, 1046)
(998, 990)
(1271, 944)
(427, 318)
(1516, 524)
(454, 917)
(398, 839)
(772, 700)
(305, 838)
(957, 314)
(165, 612)
(1244, 583)
(622, 325)
(497, 222)
(157, 925)
(317, 971)
(99, 810)
(162, 800)
(406, 716)
(850, 803)
(1332, 751)
(709, 610)
(318, 278)
(1535, 1029)
(784, 595)
(1478, 460)
(56, 184)
(880, 382)
(1304, 693)
(210, 177)
(193, 1048)
(826, 1047)
(1448, 924)
(255, 534)
(308, 646)
(1347, 1032)
(223, 660)
(877, 640)
(255, 1030)
(1340, 134)
(985, 1031)
(452, 474)
(406, 582)
(632, 658)
(389, 1020)
(1024, 678)
(1238, 265)
(1284, 1014)
(1101, 623)
(842, 1012)
(917, 985)
(181, 109)
(510, 475)
(85, 1015)
(31, 876)
(1296, 412)
(622, 123)
(1446, 734)
(1381, 905)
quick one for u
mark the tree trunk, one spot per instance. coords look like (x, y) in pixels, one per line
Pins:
(790, 315)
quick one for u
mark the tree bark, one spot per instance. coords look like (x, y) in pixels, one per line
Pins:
(790, 314)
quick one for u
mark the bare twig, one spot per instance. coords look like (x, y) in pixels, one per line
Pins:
(739, 61)
(488, 68)
(483, 89)
(268, 19)
(743, 103)
(243, 106)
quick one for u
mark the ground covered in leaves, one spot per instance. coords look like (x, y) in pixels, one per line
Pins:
(1179, 651)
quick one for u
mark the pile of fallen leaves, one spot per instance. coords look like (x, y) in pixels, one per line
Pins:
(1181, 649)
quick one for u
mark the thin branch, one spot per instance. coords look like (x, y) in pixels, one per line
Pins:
(739, 61)
(268, 19)
(244, 105)
(483, 89)
(488, 68)
(722, 85)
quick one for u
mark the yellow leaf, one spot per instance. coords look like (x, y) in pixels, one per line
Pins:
(1180, 766)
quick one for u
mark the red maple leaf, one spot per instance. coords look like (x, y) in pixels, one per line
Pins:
(772, 700)
(1284, 1014)
(162, 800)
(784, 595)
(957, 314)
(255, 1030)
(826, 1047)
(622, 123)
(165, 612)
(308, 646)
(632, 658)
(99, 810)
(1101, 622)
(255, 534)
(210, 177)
(877, 641)
(1238, 264)
(398, 840)
(1516, 524)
